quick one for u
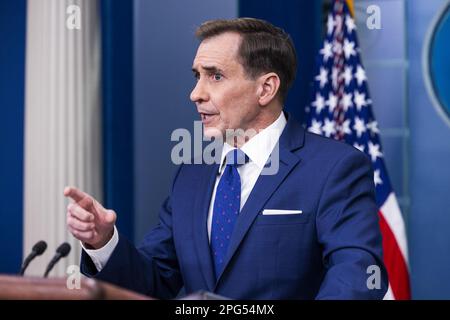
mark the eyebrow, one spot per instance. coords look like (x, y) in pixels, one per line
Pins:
(211, 69)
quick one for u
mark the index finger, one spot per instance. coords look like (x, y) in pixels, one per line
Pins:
(75, 194)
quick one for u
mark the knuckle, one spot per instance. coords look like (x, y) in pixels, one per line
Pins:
(87, 227)
(74, 211)
(82, 215)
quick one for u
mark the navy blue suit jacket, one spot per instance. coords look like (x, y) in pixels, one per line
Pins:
(322, 253)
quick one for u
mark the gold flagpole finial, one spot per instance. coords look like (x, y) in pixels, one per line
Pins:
(351, 7)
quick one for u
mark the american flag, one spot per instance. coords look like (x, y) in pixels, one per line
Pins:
(341, 109)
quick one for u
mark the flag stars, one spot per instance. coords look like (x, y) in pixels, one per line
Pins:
(347, 101)
(331, 102)
(346, 127)
(327, 51)
(350, 24)
(349, 48)
(322, 77)
(316, 127)
(360, 100)
(374, 151)
(340, 107)
(377, 178)
(348, 75)
(373, 127)
(319, 103)
(329, 128)
(359, 126)
(360, 75)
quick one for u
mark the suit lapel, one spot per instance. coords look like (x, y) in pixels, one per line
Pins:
(201, 207)
(264, 187)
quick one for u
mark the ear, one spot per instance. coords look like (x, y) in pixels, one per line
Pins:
(269, 85)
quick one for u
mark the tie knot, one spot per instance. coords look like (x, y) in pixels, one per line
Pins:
(236, 157)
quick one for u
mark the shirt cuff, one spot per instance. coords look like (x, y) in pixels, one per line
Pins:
(101, 256)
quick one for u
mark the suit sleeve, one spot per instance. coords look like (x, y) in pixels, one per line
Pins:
(348, 230)
(151, 268)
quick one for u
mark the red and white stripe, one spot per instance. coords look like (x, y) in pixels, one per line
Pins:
(395, 249)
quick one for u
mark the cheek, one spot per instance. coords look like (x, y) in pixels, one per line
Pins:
(234, 104)
(242, 105)
(229, 112)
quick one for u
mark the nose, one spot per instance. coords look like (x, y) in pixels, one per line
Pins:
(199, 93)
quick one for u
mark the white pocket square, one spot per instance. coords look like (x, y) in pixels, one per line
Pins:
(280, 212)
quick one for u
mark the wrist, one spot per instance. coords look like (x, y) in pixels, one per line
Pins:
(101, 243)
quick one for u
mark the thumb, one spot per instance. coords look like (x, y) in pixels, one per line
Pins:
(105, 215)
(110, 216)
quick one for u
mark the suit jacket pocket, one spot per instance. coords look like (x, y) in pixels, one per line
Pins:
(277, 219)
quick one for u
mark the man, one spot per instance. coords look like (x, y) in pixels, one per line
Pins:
(310, 230)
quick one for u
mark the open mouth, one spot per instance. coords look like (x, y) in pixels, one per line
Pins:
(207, 117)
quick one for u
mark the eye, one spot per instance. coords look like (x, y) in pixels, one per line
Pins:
(217, 76)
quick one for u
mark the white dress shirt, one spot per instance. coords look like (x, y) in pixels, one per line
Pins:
(258, 150)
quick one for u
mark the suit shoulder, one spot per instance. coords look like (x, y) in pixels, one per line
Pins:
(329, 148)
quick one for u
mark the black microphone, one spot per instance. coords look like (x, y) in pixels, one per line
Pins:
(62, 251)
(37, 250)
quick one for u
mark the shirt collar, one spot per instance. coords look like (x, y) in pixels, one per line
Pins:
(259, 148)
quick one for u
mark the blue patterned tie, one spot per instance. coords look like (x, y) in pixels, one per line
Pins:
(226, 207)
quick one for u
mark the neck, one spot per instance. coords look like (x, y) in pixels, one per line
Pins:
(239, 137)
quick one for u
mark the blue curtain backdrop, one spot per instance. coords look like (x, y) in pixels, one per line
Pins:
(302, 20)
(12, 82)
(117, 93)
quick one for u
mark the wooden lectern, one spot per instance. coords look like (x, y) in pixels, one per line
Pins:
(33, 288)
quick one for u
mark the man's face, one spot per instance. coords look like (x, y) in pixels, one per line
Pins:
(224, 96)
